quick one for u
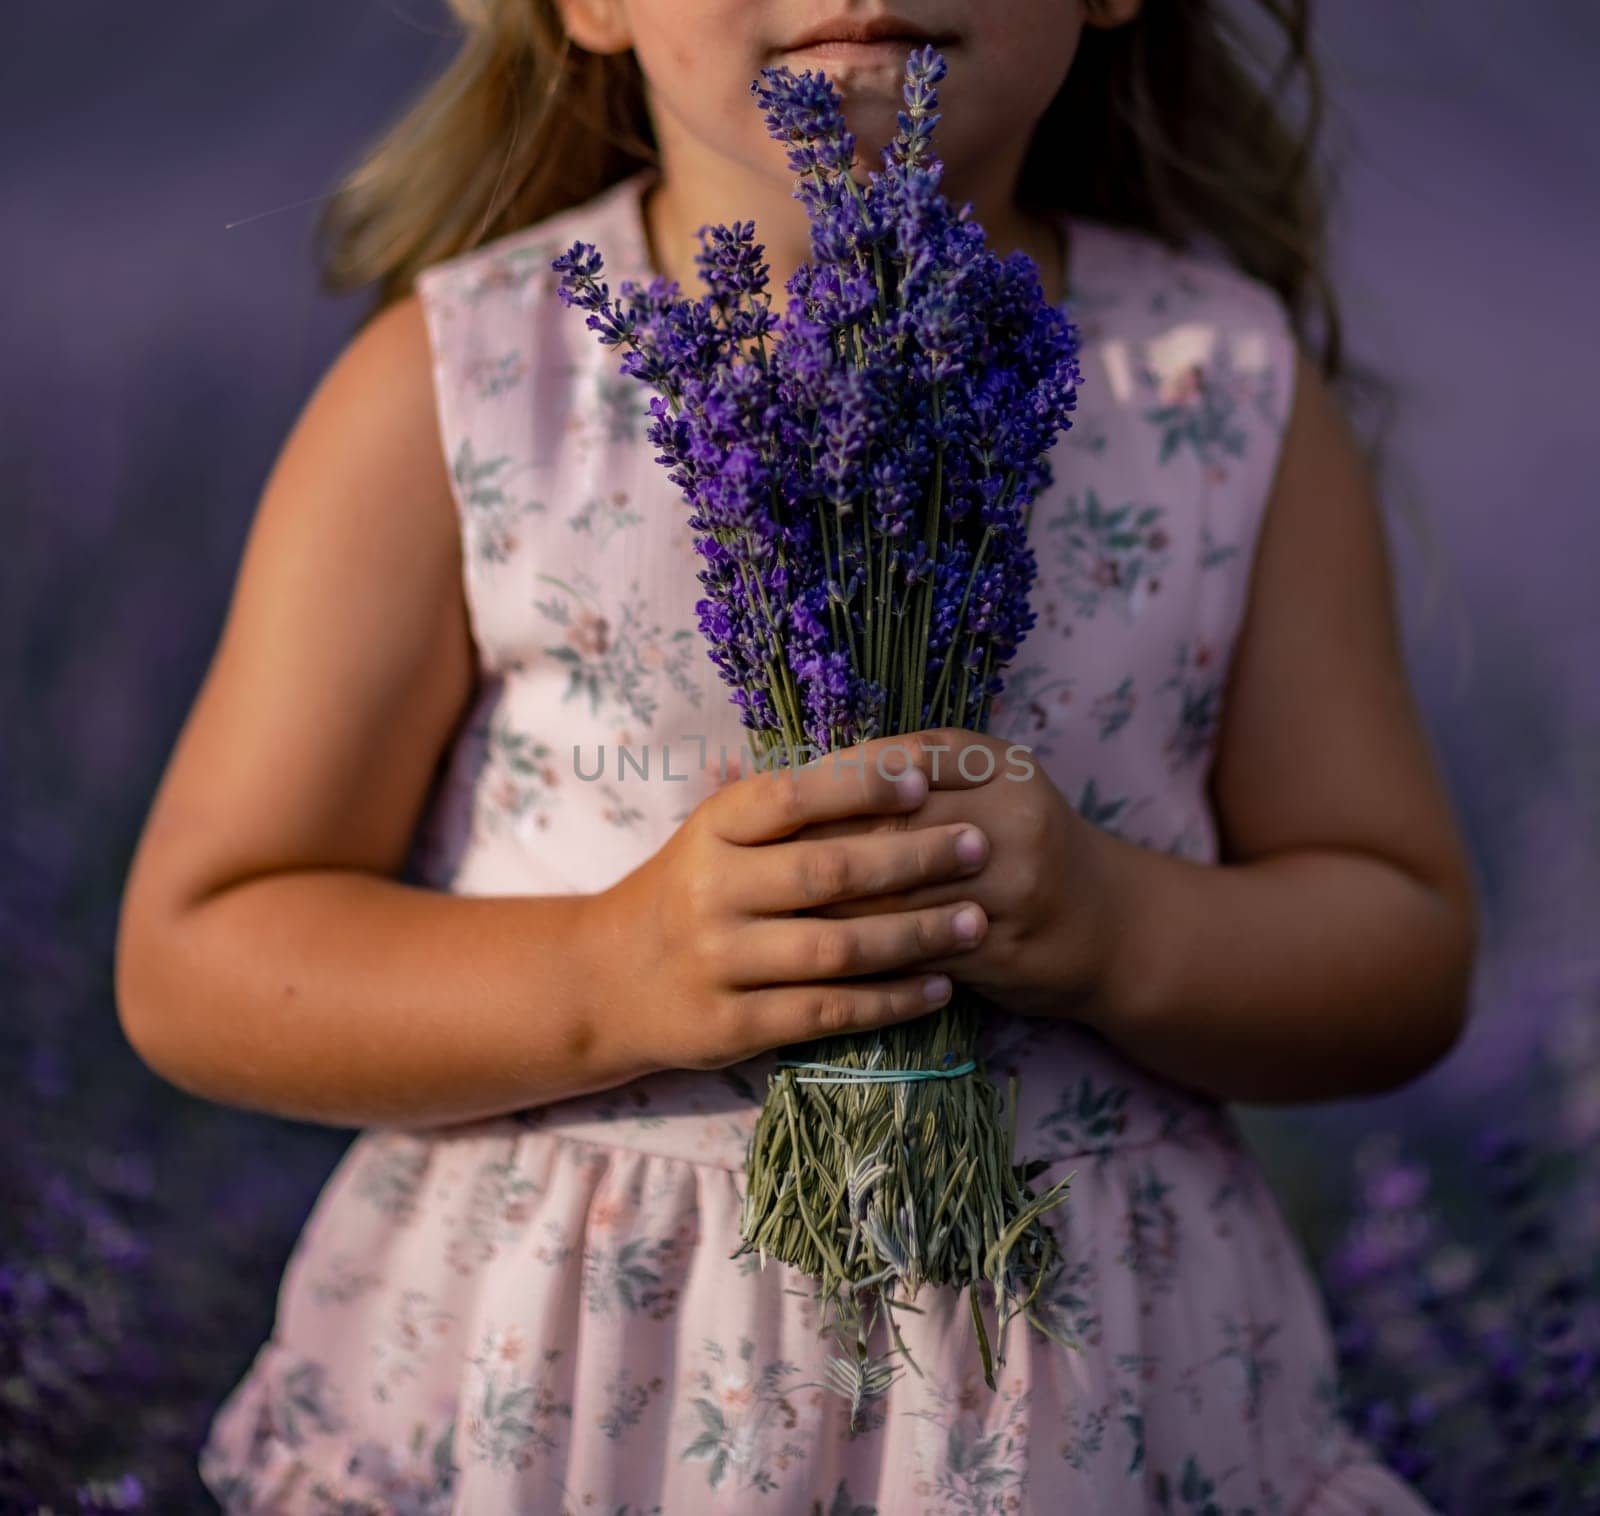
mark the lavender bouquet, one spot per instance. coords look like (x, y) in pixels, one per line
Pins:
(861, 473)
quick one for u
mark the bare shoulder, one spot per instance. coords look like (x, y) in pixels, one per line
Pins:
(1322, 742)
(345, 660)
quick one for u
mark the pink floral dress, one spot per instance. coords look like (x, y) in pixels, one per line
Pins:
(539, 1312)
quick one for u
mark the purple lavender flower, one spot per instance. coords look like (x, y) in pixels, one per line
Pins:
(1474, 1370)
(807, 114)
(924, 70)
(859, 484)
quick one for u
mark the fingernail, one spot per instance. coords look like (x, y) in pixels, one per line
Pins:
(912, 786)
(968, 922)
(935, 988)
(969, 845)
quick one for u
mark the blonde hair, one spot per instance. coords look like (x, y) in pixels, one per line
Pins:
(522, 124)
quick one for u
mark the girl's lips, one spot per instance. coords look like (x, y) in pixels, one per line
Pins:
(842, 59)
(891, 50)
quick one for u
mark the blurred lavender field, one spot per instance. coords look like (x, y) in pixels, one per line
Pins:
(155, 362)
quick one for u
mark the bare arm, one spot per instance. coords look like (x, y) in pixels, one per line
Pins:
(1331, 952)
(264, 956)
(267, 957)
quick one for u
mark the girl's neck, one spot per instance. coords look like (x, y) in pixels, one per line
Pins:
(672, 218)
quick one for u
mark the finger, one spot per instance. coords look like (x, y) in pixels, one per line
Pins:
(775, 802)
(952, 757)
(797, 875)
(784, 950)
(941, 808)
(923, 896)
(863, 779)
(957, 759)
(780, 1014)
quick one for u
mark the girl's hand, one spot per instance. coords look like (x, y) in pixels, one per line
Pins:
(1046, 887)
(711, 951)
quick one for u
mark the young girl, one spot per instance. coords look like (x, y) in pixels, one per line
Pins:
(396, 876)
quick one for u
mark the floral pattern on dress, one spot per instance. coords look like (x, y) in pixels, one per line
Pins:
(495, 518)
(1151, 1235)
(603, 518)
(624, 407)
(516, 1417)
(621, 659)
(515, 270)
(521, 780)
(412, 1335)
(1110, 813)
(1114, 709)
(627, 1399)
(1113, 554)
(1067, 1300)
(1193, 1492)
(743, 1419)
(1030, 708)
(343, 1280)
(1088, 1119)
(548, 1311)
(1198, 691)
(1245, 1343)
(635, 1276)
(420, 1481)
(493, 376)
(619, 811)
(974, 1463)
(391, 1174)
(499, 1201)
(1199, 408)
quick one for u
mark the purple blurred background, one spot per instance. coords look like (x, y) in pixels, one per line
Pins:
(162, 167)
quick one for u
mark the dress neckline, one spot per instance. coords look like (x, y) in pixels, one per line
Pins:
(634, 261)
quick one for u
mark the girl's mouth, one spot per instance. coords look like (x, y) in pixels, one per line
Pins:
(875, 41)
(887, 50)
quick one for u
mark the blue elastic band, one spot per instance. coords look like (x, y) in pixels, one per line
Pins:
(843, 1074)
